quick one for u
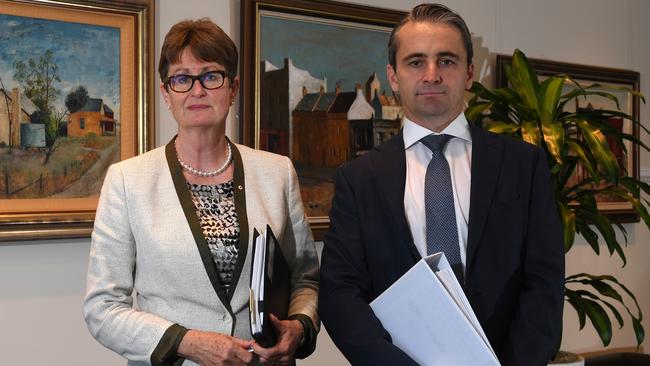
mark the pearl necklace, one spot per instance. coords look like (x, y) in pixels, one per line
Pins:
(202, 173)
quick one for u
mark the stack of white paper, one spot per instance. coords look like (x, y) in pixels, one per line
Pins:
(257, 284)
(270, 286)
(430, 319)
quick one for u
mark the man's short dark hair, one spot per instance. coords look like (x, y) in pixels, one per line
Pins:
(432, 13)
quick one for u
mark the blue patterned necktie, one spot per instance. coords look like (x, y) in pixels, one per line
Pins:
(442, 233)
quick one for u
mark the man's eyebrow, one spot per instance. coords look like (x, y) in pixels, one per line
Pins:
(448, 54)
(414, 55)
(439, 54)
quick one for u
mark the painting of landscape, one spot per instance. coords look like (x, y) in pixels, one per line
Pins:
(59, 107)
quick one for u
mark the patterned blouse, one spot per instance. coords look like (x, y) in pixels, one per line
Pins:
(215, 207)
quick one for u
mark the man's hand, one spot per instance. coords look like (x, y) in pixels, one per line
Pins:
(290, 333)
(214, 349)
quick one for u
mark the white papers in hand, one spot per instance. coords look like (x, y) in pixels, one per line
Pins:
(270, 286)
(430, 319)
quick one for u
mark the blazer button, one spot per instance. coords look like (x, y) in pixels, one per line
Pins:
(240, 187)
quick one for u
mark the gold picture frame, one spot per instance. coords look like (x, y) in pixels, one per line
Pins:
(30, 210)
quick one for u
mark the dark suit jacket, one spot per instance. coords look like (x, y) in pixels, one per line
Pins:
(515, 259)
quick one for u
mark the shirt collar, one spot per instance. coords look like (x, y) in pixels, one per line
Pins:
(413, 132)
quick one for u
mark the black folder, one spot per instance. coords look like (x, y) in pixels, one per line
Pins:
(269, 288)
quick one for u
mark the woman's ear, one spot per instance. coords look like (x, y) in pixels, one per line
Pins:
(234, 89)
(165, 94)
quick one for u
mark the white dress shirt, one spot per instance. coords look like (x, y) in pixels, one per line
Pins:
(458, 153)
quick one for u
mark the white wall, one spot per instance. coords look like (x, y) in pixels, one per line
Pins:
(42, 282)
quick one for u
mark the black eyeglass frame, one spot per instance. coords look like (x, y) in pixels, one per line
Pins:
(198, 77)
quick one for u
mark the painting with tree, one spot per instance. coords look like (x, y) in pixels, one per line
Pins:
(60, 87)
(75, 82)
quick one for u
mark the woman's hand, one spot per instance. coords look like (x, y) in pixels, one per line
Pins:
(290, 333)
(212, 349)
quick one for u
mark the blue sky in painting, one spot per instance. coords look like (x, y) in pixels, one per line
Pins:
(86, 55)
(340, 53)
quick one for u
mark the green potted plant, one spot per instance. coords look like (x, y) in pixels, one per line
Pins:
(539, 112)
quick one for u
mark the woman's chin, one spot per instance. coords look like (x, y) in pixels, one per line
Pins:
(202, 124)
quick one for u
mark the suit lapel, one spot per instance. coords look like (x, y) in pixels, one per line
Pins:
(242, 217)
(390, 168)
(195, 226)
(486, 166)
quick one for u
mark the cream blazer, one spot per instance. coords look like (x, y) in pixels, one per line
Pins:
(147, 242)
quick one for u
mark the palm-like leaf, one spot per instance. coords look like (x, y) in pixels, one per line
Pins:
(536, 112)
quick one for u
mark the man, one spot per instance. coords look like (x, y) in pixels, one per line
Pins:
(507, 237)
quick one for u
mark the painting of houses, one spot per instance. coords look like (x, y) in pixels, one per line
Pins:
(280, 92)
(321, 98)
(58, 135)
(332, 128)
(16, 110)
(388, 117)
(94, 117)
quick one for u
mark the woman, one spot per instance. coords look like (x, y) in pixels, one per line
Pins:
(175, 225)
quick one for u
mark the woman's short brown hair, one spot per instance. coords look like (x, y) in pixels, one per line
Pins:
(204, 39)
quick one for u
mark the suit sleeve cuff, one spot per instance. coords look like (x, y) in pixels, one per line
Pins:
(165, 353)
(308, 343)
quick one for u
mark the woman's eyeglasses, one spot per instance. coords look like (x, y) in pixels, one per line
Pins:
(182, 83)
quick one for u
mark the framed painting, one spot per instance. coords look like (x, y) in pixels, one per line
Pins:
(314, 88)
(76, 81)
(628, 157)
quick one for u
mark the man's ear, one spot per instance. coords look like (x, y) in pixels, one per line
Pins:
(391, 74)
(470, 76)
